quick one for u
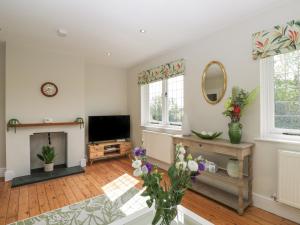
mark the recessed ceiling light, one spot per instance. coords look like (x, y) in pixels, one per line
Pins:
(142, 31)
(108, 53)
(62, 32)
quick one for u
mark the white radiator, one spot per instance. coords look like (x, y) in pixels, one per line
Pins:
(159, 146)
(289, 178)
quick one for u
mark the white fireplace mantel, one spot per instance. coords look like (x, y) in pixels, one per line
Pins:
(18, 148)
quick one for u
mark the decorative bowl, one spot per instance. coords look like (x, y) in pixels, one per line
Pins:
(207, 135)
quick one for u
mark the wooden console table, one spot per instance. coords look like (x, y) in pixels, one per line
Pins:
(223, 147)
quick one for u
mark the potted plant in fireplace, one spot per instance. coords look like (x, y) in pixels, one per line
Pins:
(47, 156)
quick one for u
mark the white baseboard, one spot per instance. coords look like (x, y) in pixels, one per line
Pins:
(83, 162)
(2, 172)
(9, 175)
(277, 208)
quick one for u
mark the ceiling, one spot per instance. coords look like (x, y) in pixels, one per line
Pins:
(96, 27)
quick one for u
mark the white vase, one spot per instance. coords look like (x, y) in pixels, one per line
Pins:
(233, 168)
(186, 128)
(48, 167)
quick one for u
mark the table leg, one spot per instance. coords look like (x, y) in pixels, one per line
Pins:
(250, 174)
(241, 188)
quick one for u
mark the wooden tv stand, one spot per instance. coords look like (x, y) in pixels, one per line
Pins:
(108, 150)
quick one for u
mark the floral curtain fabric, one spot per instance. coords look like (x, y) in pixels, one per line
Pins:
(281, 39)
(162, 72)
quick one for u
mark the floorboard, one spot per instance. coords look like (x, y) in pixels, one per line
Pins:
(30, 200)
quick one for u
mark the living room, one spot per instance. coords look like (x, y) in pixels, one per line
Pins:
(107, 86)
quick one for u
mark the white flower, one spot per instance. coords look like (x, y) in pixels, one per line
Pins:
(145, 169)
(192, 165)
(200, 158)
(181, 157)
(182, 150)
(137, 164)
(137, 172)
(181, 165)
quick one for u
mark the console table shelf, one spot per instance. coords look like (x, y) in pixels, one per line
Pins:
(243, 182)
(28, 125)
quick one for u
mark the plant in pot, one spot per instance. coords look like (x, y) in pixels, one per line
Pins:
(234, 108)
(47, 157)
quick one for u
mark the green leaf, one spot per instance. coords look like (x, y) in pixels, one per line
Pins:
(149, 203)
(172, 172)
(157, 216)
(40, 157)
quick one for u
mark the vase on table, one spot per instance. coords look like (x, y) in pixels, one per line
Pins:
(233, 168)
(235, 132)
(166, 216)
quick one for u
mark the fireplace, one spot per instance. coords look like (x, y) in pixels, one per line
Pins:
(58, 140)
(20, 156)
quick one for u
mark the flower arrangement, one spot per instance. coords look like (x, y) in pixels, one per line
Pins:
(234, 108)
(166, 196)
(236, 104)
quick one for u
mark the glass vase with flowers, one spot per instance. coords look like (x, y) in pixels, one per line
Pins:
(166, 194)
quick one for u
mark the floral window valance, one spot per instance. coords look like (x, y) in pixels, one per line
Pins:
(162, 72)
(281, 39)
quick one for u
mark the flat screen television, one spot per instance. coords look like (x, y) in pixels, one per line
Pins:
(104, 128)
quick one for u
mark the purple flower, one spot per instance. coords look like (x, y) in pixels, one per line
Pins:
(201, 167)
(149, 166)
(138, 151)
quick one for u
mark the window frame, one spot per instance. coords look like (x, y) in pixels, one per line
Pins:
(267, 104)
(145, 107)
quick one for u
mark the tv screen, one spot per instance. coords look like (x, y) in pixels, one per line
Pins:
(104, 128)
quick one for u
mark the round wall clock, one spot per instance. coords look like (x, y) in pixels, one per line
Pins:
(49, 89)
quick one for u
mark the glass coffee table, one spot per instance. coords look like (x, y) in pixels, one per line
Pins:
(145, 216)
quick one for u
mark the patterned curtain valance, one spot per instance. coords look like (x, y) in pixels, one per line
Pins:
(162, 72)
(281, 39)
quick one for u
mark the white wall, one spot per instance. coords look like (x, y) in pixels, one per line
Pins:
(2, 108)
(84, 89)
(27, 69)
(232, 47)
(105, 90)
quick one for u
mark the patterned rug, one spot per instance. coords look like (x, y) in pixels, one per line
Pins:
(100, 210)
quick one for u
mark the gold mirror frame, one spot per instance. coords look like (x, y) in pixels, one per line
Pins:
(224, 83)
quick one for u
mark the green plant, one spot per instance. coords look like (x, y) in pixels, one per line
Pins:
(47, 155)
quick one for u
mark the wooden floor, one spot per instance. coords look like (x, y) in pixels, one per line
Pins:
(30, 200)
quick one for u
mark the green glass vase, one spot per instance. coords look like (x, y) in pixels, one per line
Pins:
(235, 132)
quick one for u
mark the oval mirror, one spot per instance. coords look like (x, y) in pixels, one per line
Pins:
(214, 82)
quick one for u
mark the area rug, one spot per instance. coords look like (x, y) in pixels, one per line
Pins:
(99, 210)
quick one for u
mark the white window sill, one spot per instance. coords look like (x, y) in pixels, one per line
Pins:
(281, 139)
(162, 129)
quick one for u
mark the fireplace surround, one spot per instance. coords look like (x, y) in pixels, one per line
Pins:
(18, 148)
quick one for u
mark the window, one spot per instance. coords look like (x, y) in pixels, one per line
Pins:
(280, 95)
(162, 103)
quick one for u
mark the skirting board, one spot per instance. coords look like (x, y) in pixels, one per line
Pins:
(9, 175)
(277, 208)
(2, 172)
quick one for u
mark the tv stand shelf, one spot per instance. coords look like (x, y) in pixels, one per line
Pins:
(108, 150)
